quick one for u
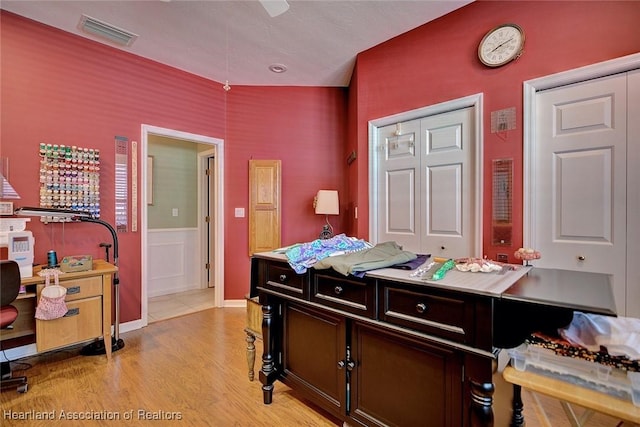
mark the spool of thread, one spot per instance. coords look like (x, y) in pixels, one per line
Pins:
(52, 259)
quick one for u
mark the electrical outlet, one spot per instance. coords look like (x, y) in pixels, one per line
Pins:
(503, 258)
(174, 211)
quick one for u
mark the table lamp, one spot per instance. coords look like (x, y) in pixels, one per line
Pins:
(326, 203)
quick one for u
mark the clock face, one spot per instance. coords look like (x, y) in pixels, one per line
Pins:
(501, 45)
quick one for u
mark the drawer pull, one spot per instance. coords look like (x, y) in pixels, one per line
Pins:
(338, 290)
(283, 277)
(73, 290)
(421, 307)
(73, 312)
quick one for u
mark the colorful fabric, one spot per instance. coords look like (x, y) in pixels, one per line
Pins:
(380, 256)
(305, 255)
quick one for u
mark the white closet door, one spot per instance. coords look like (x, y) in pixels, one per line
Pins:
(580, 174)
(426, 192)
(447, 178)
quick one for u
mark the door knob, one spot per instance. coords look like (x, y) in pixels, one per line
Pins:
(581, 258)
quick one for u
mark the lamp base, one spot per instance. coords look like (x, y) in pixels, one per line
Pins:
(97, 347)
(326, 232)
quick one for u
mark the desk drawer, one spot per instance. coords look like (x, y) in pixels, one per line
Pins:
(82, 322)
(438, 313)
(353, 296)
(80, 288)
(281, 277)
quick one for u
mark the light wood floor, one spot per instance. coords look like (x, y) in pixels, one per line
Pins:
(192, 367)
(168, 306)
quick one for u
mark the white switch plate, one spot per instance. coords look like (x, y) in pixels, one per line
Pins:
(174, 211)
(239, 212)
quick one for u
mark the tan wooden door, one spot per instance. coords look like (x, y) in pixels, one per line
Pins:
(264, 205)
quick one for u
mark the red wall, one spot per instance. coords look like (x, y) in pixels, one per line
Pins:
(438, 62)
(63, 89)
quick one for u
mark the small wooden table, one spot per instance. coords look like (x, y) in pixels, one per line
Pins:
(568, 394)
(253, 330)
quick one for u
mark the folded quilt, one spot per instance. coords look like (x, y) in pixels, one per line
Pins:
(305, 255)
(380, 256)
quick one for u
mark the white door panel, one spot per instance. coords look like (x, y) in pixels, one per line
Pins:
(580, 169)
(448, 174)
(444, 215)
(583, 184)
(401, 205)
(397, 193)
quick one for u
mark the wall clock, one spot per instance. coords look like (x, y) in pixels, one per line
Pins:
(501, 45)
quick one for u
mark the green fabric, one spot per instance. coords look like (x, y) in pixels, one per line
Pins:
(380, 256)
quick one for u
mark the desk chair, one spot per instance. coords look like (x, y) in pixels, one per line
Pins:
(9, 289)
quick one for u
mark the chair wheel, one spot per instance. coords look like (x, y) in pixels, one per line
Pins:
(23, 388)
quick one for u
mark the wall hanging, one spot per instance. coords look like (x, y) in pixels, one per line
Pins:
(69, 179)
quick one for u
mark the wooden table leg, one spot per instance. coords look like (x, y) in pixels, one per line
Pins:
(517, 417)
(251, 353)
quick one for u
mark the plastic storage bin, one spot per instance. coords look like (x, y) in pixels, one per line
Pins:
(595, 376)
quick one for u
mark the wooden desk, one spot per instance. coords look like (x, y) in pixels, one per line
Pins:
(89, 316)
(568, 394)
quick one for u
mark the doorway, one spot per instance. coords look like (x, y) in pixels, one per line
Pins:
(171, 249)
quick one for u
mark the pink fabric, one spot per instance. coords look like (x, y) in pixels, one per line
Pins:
(51, 304)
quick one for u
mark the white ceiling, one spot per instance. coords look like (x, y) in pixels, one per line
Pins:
(237, 40)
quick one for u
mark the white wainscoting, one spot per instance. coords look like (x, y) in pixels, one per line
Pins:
(174, 261)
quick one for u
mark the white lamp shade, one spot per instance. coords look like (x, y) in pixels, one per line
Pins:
(326, 202)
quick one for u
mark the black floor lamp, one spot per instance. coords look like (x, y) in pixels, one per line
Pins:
(98, 346)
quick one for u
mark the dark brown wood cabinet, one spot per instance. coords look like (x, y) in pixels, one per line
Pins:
(385, 350)
(314, 346)
(403, 381)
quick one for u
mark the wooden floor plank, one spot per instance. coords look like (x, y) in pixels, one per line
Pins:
(191, 367)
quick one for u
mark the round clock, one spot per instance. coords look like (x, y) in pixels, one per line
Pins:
(501, 45)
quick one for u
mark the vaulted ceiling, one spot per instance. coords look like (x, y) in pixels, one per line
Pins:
(236, 41)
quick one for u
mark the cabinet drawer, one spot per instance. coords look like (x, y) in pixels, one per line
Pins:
(281, 277)
(438, 313)
(79, 288)
(82, 322)
(354, 296)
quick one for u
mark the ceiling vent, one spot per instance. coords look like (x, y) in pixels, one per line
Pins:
(106, 31)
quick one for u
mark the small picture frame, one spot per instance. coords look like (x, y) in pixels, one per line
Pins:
(6, 208)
